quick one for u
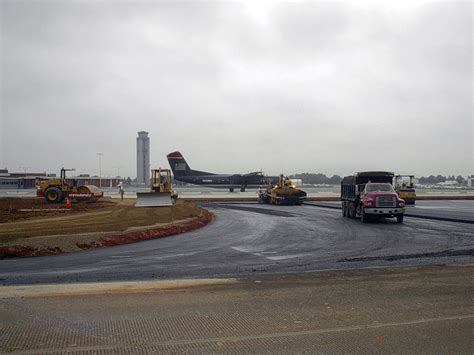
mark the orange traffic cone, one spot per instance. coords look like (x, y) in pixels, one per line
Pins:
(68, 204)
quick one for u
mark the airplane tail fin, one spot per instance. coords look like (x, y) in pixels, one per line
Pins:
(181, 168)
(178, 164)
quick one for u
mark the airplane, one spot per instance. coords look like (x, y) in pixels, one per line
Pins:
(182, 172)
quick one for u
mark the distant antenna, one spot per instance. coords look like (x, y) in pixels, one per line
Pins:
(25, 168)
(118, 167)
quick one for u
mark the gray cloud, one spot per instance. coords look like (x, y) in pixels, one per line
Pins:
(289, 87)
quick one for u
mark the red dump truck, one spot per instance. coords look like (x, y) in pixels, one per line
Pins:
(371, 194)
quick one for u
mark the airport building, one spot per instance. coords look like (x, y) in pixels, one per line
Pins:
(14, 181)
(143, 158)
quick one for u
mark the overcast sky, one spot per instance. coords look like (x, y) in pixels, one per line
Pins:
(238, 87)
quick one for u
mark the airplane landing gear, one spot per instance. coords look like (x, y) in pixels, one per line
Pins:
(231, 189)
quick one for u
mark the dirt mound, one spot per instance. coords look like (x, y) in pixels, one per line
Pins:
(88, 226)
(17, 209)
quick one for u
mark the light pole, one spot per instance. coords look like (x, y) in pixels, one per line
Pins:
(100, 168)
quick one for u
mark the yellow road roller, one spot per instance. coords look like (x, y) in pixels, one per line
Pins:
(56, 190)
(405, 188)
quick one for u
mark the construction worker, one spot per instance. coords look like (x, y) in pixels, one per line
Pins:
(121, 189)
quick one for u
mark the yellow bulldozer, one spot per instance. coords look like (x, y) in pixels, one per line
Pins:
(161, 190)
(58, 189)
(282, 194)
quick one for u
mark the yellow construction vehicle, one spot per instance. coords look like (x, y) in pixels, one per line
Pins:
(282, 194)
(58, 189)
(405, 189)
(161, 190)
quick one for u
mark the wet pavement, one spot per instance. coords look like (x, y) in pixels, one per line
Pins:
(252, 239)
(446, 210)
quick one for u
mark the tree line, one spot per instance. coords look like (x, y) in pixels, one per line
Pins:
(439, 178)
(318, 179)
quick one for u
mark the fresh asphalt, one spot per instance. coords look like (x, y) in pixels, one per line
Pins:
(251, 239)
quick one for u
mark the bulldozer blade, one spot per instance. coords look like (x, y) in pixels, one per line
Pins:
(154, 199)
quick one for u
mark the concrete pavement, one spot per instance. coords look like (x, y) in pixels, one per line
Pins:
(399, 310)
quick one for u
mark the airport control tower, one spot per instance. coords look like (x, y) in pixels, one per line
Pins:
(143, 158)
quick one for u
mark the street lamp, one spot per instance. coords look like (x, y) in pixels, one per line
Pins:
(100, 168)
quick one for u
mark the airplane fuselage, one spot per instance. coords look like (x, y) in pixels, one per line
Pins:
(226, 181)
(182, 172)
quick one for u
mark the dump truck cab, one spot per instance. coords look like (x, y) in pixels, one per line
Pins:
(371, 194)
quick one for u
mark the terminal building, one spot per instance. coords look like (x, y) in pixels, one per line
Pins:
(15, 181)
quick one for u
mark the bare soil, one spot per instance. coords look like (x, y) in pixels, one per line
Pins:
(88, 225)
(13, 209)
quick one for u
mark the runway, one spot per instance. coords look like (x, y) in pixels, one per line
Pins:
(201, 192)
(251, 239)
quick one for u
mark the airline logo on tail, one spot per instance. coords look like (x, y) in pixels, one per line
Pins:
(174, 155)
(178, 164)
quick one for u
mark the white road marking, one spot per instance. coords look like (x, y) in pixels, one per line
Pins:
(284, 257)
(263, 254)
(171, 256)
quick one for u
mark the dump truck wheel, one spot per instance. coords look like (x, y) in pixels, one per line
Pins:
(352, 210)
(344, 211)
(53, 195)
(363, 216)
(400, 218)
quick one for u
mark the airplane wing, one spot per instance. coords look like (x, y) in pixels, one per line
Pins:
(255, 173)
